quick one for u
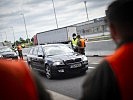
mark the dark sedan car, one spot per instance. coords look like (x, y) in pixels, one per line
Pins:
(56, 59)
(7, 53)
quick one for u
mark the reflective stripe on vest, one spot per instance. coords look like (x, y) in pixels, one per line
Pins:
(121, 63)
(74, 42)
(82, 43)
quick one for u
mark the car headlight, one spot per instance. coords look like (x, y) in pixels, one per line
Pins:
(84, 58)
(58, 63)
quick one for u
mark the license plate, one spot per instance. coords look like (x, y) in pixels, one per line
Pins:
(76, 65)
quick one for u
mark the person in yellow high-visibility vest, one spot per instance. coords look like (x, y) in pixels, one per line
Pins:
(74, 43)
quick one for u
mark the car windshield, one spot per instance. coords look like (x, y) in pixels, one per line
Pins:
(5, 50)
(56, 50)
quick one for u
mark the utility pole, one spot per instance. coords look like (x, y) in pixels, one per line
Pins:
(1, 37)
(55, 14)
(13, 35)
(25, 26)
(86, 10)
(6, 36)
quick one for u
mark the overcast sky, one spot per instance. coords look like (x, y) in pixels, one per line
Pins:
(39, 15)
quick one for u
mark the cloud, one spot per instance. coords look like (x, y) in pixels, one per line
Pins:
(39, 14)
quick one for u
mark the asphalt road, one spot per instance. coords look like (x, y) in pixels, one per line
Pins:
(70, 85)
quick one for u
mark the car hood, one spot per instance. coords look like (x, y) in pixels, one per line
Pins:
(65, 57)
(8, 53)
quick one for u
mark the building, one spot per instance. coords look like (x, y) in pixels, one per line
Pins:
(98, 25)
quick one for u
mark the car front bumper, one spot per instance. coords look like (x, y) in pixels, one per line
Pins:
(67, 70)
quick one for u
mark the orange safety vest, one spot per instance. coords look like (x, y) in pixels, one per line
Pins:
(82, 41)
(16, 82)
(121, 63)
(19, 47)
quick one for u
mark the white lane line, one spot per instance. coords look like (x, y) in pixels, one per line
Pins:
(96, 63)
(99, 41)
(92, 67)
(58, 96)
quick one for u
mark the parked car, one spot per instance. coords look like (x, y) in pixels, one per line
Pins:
(7, 53)
(56, 59)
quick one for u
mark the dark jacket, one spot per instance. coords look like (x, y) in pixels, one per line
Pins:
(112, 79)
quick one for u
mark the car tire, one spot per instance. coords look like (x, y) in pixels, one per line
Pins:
(84, 72)
(48, 72)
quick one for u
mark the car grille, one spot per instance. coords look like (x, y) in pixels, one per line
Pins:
(72, 61)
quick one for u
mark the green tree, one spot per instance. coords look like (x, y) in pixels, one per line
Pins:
(27, 40)
(22, 40)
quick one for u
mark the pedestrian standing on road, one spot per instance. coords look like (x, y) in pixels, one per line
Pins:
(81, 45)
(74, 43)
(17, 82)
(19, 49)
(113, 78)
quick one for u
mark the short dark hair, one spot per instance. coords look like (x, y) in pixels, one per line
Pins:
(120, 13)
(74, 34)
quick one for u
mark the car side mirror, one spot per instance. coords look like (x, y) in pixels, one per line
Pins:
(40, 55)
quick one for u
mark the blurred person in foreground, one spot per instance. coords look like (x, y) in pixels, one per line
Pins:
(17, 82)
(113, 78)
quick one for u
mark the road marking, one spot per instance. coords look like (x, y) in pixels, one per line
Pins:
(96, 63)
(91, 67)
(99, 41)
(58, 96)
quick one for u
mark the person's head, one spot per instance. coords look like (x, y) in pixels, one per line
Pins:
(74, 35)
(120, 18)
(78, 36)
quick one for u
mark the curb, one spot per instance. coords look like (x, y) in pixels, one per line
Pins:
(57, 96)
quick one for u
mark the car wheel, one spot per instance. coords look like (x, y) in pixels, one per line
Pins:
(48, 72)
(84, 72)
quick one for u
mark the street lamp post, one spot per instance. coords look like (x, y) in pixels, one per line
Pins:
(25, 25)
(1, 37)
(86, 10)
(6, 36)
(13, 35)
(55, 14)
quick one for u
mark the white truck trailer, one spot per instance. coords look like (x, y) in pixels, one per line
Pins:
(61, 35)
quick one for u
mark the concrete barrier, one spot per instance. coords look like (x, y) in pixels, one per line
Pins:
(95, 48)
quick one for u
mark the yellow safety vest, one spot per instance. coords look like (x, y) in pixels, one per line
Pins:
(74, 42)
